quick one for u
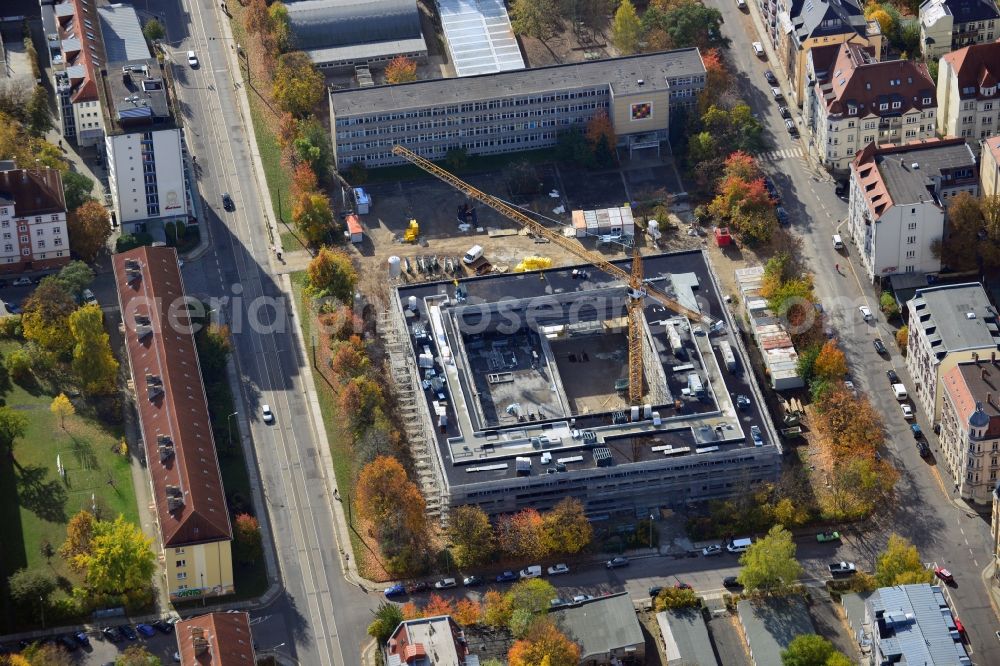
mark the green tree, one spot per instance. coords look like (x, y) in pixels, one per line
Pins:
(387, 618)
(676, 597)
(684, 24)
(312, 146)
(78, 189)
(93, 361)
(46, 317)
(121, 559)
(535, 18)
(75, 277)
(811, 650)
(626, 30)
(31, 587)
(137, 655)
(39, 114)
(280, 25)
(13, 424)
(331, 273)
(472, 534)
(887, 303)
(567, 527)
(153, 30)
(900, 564)
(17, 362)
(313, 217)
(533, 595)
(770, 562)
(298, 85)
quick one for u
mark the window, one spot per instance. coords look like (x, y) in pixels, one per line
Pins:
(24, 239)
(41, 244)
(178, 551)
(182, 575)
(180, 564)
(910, 254)
(911, 226)
(910, 240)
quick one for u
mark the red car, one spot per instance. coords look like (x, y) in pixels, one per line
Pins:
(960, 628)
(944, 575)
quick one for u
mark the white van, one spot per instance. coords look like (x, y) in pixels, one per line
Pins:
(534, 571)
(739, 545)
(838, 242)
(758, 49)
(899, 391)
(474, 254)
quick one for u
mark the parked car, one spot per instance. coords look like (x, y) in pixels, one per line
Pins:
(849, 385)
(12, 308)
(507, 577)
(112, 634)
(944, 575)
(472, 581)
(397, 590)
(557, 569)
(88, 297)
(682, 586)
(714, 549)
(782, 215)
(417, 587)
(192, 59)
(917, 432)
(772, 190)
(21, 282)
(758, 50)
(742, 402)
(145, 630)
(824, 537)
(617, 562)
(776, 93)
(445, 583)
(841, 189)
(731, 581)
(843, 568)
(893, 377)
(581, 597)
(755, 435)
(790, 126)
(783, 111)
(866, 312)
(67, 642)
(923, 449)
(163, 626)
(907, 410)
(879, 347)
(771, 78)
(82, 638)
(127, 632)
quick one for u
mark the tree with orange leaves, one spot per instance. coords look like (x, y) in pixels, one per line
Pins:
(522, 534)
(544, 644)
(437, 605)
(304, 180)
(717, 78)
(830, 363)
(851, 426)
(467, 612)
(742, 165)
(496, 609)
(400, 70)
(411, 611)
(599, 128)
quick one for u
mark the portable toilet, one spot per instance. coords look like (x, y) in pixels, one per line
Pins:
(362, 201)
(355, 232)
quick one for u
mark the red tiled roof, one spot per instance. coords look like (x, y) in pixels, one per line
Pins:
(857, 79)
(33, 191)
(974, 65)
(91, 53)
(216, 639)
(970, 384)
(165, 358)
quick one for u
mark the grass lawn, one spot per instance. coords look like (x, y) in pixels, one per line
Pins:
(35, 503)
(339, 438)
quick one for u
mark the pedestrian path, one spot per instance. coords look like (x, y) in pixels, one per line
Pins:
(784, 153)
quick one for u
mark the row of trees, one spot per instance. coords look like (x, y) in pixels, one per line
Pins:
(527, 534)
(666, 24)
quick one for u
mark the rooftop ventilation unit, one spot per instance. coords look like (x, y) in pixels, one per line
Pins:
(154, 386)
(175, 498)
(165, 446)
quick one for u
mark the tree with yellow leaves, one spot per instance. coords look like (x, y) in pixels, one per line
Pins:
(830, 363)
(62, 407)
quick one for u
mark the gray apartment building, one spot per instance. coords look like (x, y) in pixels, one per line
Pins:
(511, 111)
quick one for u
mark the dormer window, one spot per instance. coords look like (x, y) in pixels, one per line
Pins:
(896, 105)
(852, 110)
(883, 107)
(927, 100)
(988, 92)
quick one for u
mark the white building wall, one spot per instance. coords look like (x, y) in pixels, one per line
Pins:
(170, 173)
(89, 126)
(126, 178)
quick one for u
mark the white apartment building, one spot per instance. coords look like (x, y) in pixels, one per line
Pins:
(33, 233)
(946, 25)
(970, 426)
(898, 197)
(948, 324)
(855, 100)
(82, 56)
(969, 105)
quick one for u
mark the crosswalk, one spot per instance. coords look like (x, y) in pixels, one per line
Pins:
(784, 153)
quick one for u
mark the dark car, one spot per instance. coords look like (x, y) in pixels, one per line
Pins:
(682, 586)
(879, 347)
(227, 202)
(417, 587)
(507, 577)
(841, 189)
(771, 78)
(772, 190)
(923, 449)
(112, 634)
(68, 643)
(396, 590)
(163, 626)
(782, 216)
(145, 630)
(731, 581)
(472, 581)
(655, 591)
(127, 632)
(82, 638)
(893, 377)
(783, 112)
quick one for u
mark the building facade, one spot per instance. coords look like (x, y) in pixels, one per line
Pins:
(855, 100)
(514, 111)
(970, 427)
(989, 168)
(898, 199)
(149, 170)
(807, 24)
(968, 103)
(81, 57)
(995, 532)
(185, 482)
(33, 234)
(948, 325)
(947, 25)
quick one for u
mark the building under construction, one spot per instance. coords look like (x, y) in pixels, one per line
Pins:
(515, 391)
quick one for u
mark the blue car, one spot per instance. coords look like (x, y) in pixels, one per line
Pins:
(397, 590)
(145, 630)
(82, 638)
(507, 577)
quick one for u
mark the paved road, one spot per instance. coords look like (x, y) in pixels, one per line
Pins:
(925, 512)
(321, 618)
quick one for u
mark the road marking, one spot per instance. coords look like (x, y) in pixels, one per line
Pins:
(782, 153)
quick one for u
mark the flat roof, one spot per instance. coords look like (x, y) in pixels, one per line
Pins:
(367, 51)
(135, 92)
(479, 36)
(906, 184)
(623, 74)
(170, 398)
(915, 625)
(949, 308)
(473, 451)
(123, 38)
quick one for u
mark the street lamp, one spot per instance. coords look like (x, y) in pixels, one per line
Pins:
(650, 530)
(229, 427)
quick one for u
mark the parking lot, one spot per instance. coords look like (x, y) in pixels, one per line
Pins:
(100, 650)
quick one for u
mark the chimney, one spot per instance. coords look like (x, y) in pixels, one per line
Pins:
(975, 357)
(983, 374)
(993, 357)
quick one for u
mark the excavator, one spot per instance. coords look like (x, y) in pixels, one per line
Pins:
(637, 288)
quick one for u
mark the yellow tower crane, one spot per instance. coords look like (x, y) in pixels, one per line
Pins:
(637, 289)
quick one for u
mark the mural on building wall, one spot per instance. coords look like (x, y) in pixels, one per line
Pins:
(642, 110)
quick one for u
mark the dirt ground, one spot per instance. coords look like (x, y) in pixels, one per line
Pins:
(568, 46)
